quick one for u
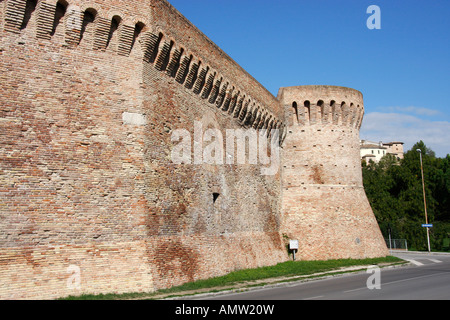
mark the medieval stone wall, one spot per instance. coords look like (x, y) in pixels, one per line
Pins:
(91, 93)
(324, 204)
(91, 201)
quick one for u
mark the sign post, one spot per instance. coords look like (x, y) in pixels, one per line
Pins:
(293, 245)
(424, 200)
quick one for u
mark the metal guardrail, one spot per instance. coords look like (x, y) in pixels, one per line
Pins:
(397, 244)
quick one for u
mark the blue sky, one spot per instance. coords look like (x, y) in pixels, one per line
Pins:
(402, 69)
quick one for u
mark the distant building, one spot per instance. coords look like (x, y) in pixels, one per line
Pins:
(395, 148)
(374, 151)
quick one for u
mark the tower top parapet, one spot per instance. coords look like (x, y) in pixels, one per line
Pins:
(322, 105)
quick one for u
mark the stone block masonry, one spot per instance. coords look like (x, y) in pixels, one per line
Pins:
(90, 201)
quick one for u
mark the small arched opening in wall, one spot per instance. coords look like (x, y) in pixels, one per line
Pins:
(192, 74)
(30, 7)
(175, 61)
(183, 70)
(257, 120)
(60, 12)
(344, 113)
(360, 117)
(115, 24)
(320, 110)
(353, 111)
(88, 19)
(307, 106)
(246, 122)
(152, 48)
(334, 113)
(295, 113)
(162, 59)
(209, 82)
(138, 28)
(238, 108)
(243, 113)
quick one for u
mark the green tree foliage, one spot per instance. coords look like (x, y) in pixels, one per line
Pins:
(395, 192)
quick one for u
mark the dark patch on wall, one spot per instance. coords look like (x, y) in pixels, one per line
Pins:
(173, 260)
(317, 175)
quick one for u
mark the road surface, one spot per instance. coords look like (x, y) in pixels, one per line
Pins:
(428, 278)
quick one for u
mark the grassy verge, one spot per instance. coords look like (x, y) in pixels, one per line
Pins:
(285, 269)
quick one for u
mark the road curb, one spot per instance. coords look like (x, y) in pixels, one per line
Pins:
(422, 252)
(286, 283)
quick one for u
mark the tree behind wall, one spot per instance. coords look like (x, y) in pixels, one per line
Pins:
(394, 189)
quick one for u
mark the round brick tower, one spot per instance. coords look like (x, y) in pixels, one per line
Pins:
(324, 204)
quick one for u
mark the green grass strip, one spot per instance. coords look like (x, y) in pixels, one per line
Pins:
(284, 269)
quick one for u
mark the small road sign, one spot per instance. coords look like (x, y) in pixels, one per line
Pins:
(427, 225)
(293, 244)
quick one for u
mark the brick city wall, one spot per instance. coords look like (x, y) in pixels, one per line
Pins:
(324, 204)
(91, 201)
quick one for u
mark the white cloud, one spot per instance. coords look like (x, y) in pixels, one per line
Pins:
(412, 109)
(387, 127)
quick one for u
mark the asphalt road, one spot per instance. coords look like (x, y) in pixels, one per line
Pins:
(428, 278)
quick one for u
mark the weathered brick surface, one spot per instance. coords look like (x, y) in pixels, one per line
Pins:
(324, 204)
(90, 95)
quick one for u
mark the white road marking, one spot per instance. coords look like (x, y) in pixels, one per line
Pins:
(417, 263)
(311, 298)
(398, 281)
(434, 260)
